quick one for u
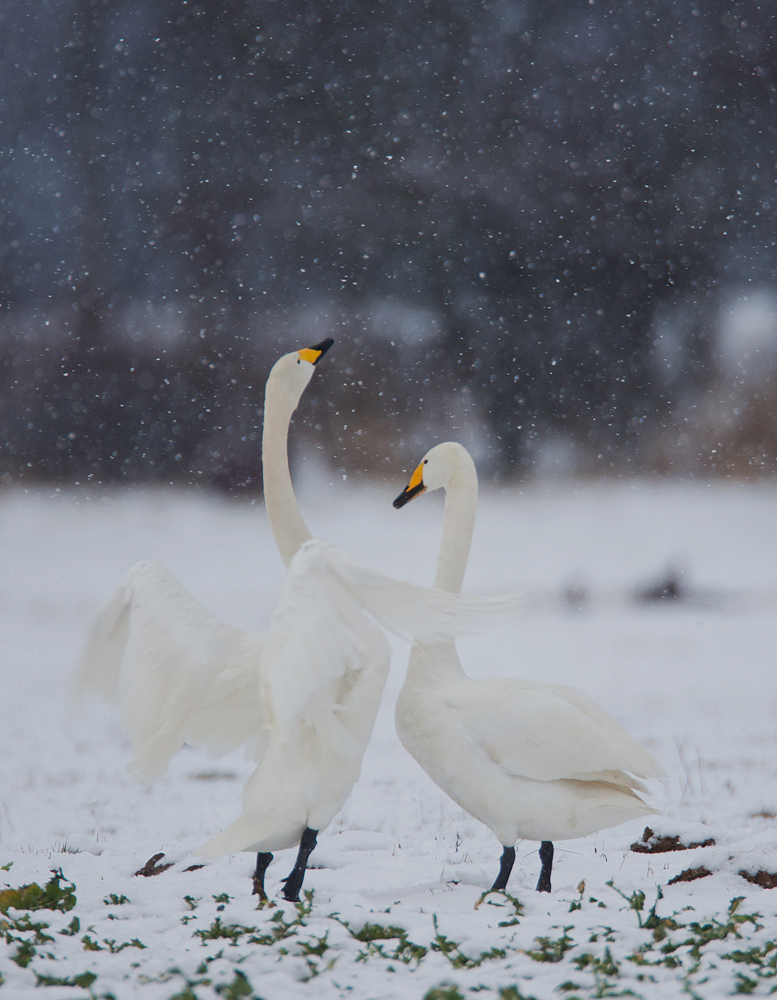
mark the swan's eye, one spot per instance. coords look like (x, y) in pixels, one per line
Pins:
(426, 460)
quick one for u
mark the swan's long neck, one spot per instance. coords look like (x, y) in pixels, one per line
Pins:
(461, 499)
(283, 512)
(431, 663)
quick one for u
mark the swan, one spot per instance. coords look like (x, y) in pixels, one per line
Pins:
(531, 760)
(301, 699)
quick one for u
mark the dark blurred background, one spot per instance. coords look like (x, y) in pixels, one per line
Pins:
(545, 227)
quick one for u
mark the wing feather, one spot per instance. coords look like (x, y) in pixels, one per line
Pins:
(548, 732)
(318, 644)
(422, 614)
(320, 633)
(177, 672)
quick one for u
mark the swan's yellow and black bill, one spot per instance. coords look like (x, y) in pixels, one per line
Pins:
(413, 488)
(315, 354)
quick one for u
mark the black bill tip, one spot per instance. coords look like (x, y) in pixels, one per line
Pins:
(323, 347)
(407, 495)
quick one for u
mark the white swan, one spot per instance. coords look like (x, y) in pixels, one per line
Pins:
(530, 760)
(302, 699)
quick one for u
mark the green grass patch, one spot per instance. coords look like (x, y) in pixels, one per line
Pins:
(551, 949)
(56, 894)
(84, 980)
(615, 961)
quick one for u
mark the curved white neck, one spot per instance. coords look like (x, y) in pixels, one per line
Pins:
(288, 528)
(431, 663)
(461, 500)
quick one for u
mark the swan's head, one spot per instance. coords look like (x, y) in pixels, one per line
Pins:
(293, 371)
(435, 470)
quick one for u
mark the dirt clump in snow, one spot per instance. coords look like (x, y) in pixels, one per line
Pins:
(652, 844)
(690, 875)
(767, 880)
(152, 868)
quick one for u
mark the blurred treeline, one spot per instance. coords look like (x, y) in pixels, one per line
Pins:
(545, 227)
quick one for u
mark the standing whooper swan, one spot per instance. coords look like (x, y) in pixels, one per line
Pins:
(302, 699)
(529, 759)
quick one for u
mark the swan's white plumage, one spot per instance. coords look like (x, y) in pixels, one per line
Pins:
(319, 697)
(181, 675)
(545, 732)
(178, 673)
(302, 699)
(529, 759)
(319, 636)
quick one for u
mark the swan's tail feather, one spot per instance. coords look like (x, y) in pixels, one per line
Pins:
(250, 832)
(614, 779)
(229, 841)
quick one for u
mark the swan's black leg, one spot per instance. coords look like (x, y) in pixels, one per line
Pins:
(294, 879)
(546, 857)
(505, 867)
(262, 861)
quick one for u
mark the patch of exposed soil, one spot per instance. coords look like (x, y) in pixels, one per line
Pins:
(767, 880)
(651, 844)
(690, 875)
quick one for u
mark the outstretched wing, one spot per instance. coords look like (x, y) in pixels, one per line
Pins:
(547, 732)
(414, 613)
(178, 673)
(320, 638)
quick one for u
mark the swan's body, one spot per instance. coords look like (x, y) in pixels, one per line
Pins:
(531, 760)
(179, 674)
(302, 699)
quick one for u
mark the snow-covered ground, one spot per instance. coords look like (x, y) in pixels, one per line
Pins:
(694, 679)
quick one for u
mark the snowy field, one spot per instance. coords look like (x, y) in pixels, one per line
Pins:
(396, 876)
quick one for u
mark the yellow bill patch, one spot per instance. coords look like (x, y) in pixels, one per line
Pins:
(310, 354)
(417, 478)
